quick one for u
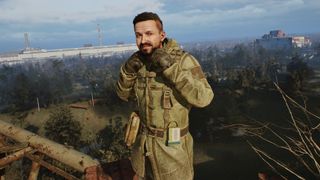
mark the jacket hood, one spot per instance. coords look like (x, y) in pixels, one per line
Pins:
(170, 45)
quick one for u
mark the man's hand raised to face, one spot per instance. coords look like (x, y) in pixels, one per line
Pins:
(161, 60)
(133, 64)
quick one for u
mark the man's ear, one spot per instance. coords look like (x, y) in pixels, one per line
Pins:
(163, 36)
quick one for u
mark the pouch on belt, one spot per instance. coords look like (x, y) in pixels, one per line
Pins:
(132, 129)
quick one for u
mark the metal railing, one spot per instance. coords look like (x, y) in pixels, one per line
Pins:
(36, 148)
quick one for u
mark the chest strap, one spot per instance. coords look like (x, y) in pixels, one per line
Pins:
(166, 105)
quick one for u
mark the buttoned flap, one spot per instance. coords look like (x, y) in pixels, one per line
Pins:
(162, 93)
(167, 98)
(157, 83)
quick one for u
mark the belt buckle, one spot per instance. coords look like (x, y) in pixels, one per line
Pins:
(155, 132)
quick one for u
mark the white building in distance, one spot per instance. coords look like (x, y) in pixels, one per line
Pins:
(277, 39)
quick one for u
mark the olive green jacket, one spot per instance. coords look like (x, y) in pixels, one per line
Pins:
(165, 100)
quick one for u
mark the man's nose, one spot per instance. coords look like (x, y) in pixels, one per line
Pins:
(144, 39)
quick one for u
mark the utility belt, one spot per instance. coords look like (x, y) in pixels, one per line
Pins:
(157, 132)
(134, 126)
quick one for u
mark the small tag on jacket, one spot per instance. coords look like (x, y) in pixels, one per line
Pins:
(173, 136)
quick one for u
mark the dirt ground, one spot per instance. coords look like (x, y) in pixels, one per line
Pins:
(226, 160)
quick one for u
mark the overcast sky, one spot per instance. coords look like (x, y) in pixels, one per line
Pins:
(72, 23)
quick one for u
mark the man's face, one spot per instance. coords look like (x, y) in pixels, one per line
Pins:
(148, 36)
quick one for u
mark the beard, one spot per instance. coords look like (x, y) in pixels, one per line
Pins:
(146, 48)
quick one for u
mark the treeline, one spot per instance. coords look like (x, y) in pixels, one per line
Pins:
(22, 86)
(246, 66)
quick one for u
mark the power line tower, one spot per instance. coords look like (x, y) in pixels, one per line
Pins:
(26, 41)
(99, 34)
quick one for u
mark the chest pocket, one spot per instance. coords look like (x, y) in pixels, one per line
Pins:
(146, 88)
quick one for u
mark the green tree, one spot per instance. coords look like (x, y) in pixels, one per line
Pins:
(62, 127)
(111, 139)
(22, 93)
(299, 72)
(5, 84)
(60, 80)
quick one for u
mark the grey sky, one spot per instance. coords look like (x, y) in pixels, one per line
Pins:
(72, 23)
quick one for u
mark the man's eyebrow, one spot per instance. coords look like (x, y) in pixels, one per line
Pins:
(147, 31)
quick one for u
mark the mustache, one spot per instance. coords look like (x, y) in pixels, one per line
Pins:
(145, 44)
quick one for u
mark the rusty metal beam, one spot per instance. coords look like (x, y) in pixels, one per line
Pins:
(15, 156)
(68, 156)
(35, 167)
(14, 147)
(2, 140)
(51, 167)
(2, 155)
(34, 172)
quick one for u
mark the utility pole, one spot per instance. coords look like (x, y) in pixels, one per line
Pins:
(38, 104)
(92, 100)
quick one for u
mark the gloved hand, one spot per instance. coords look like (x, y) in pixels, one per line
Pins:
(133, 64)
(161, 60)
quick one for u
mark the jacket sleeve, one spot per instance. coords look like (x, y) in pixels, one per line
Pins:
(190, 81)
(124, 86)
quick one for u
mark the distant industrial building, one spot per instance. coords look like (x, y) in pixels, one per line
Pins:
(88, 51)
(277, 39)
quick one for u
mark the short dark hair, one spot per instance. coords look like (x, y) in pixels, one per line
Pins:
(148, 16)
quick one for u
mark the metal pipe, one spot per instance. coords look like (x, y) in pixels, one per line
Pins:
(52, 168)
(34, 172)
(70, 157)
(15, 156)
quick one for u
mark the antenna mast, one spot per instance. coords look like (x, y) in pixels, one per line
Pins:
(99, 34)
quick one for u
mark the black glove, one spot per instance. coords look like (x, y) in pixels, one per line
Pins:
(161, 60)
(133, 64)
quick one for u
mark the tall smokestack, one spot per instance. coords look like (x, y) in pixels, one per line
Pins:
(26, 41)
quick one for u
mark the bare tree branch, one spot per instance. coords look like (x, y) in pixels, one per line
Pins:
(260, 153)
(297, 139)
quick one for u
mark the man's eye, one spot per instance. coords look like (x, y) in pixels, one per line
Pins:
(138, 35)
(149, 33)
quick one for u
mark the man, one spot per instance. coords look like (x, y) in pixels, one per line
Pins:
(166, 82)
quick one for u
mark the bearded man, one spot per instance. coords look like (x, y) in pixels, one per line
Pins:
(166, 82)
